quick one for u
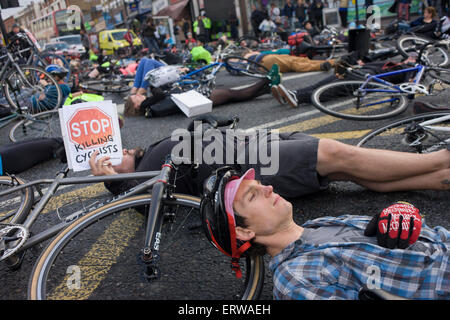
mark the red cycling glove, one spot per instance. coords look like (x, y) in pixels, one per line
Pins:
(397, 226)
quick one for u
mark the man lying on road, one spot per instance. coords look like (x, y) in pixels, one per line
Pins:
(300, 164)
(329, 257)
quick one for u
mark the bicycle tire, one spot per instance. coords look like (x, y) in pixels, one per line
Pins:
(15, 206)
(416, 43)
(245, 66)
(440, 74)
(34, 75)
(338, 99)
(41, 125)
(393, 136)
(434, 56)
(52, 58)
(106, 86)
(49, 280)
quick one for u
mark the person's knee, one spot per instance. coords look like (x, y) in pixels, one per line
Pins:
(444, 178)
(333, 156)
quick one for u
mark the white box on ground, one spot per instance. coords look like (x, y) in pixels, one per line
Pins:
(192, 103)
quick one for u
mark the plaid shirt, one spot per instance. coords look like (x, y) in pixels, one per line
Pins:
(338, 270)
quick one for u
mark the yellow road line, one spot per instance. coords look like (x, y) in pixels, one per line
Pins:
(95, 265)
(87, 192)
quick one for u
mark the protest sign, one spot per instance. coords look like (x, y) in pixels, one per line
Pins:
(87, 127)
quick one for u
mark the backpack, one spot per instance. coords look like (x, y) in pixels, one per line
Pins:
(296, 39)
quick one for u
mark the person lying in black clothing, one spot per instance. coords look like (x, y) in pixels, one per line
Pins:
(304, 165)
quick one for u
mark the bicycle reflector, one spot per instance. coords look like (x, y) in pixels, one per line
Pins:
(216, 209)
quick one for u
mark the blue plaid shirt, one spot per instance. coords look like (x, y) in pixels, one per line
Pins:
(338, 270)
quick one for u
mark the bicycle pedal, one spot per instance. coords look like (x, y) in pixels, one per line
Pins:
(14, 262)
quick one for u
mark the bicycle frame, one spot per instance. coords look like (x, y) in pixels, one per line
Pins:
(419, 69)
(62, 180)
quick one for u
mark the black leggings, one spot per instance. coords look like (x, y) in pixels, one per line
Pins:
(161, 104)
(20, 156)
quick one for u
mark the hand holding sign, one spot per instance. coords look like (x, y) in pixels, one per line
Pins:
(102, 166)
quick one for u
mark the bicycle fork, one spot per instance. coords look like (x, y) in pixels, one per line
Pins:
(149, 255)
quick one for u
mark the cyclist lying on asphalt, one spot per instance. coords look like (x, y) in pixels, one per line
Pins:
(161, 104)
(329, 257)
(305, 164)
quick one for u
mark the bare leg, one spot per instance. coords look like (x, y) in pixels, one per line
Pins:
(376, 165)
(438, 180)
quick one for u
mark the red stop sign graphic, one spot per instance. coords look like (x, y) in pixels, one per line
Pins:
(90, 127)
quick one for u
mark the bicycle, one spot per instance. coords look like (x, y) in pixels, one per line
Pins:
(203, 79)
(422, 133)
(374, 98)
(73, 265)
(436, 52)
(23, 87)
(32, 56)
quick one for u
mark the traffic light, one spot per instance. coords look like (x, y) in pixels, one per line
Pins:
(5, 4)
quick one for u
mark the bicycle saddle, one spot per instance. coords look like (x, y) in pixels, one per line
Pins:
(212, 121)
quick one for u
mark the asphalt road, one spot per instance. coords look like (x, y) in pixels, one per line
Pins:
(263, 112)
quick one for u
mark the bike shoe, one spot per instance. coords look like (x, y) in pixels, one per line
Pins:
(274, 75)
(326, 66)
(288, 95)
(276, 94)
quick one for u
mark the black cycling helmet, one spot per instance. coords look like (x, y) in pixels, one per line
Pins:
(216, 209)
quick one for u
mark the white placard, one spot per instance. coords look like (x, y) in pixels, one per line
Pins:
(87, 127)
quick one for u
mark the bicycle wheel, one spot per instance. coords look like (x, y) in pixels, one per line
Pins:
(41, 125)
(96, 257)
(110, 86)
(435, 56)
(14, 207)
(410, 43)
(50, 58)
(245, 66)
(36, 91)
(405, 134)
(342, 99)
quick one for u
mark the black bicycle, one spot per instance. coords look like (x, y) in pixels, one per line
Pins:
(123, 245)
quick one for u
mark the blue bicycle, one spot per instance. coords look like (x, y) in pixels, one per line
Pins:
(204, 79)
(374, 98)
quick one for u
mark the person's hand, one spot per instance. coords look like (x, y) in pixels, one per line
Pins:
(397, 226)
(102, 167)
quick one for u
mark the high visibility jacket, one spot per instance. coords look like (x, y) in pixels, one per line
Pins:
(207, 22)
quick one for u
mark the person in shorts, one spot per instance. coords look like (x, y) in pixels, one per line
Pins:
(305, 164)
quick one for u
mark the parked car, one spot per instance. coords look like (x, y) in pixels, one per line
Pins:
(114, 43)
(74, 42)
(60, 48)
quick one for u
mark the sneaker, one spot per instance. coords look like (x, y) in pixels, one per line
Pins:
(276, 94)
(326, 66)
(274, 75)
(288, 95)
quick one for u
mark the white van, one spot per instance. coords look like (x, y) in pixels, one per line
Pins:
(74, 42)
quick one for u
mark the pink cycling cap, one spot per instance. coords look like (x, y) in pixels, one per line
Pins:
(232, 187)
